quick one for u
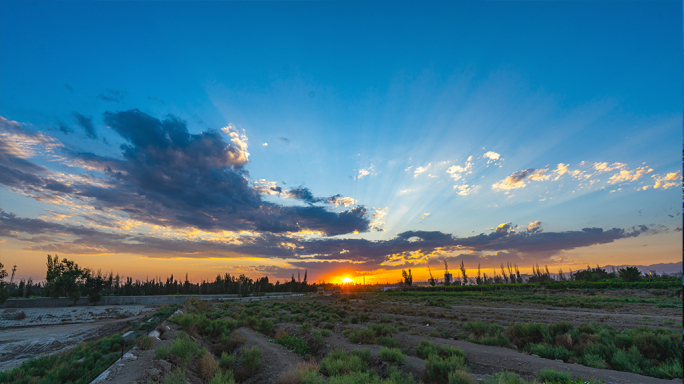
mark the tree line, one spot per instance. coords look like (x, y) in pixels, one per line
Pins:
(65, 278)
(510, 274)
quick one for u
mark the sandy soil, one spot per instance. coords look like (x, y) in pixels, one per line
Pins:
(45, 331)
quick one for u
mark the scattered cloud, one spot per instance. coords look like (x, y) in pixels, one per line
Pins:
(265, 144)
(533, 226)
(113, 95)
(465, 189)
(423, 216)
(420, 170)
(86, 123)
(378, 224)
(667, 181)
(627, 176)
(457, 172)
(364, 172)
(492, 157)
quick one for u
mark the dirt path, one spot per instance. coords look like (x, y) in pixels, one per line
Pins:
(277, 359)
(487, 359)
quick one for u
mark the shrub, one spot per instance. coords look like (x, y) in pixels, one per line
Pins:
(184, 347)
(207, 366)
(437, 369)
(222, 378)
(594, 360)
(507, 378)
(522, 334)
(305, 373)
(426, 348)
(383, 329)
(629, 361)
(251, 358)
(227, 361)
(280, 333)
(459, 377)
(265, 326)
(550, 352)
(560, 327)
(564, 340)
(305, 327)
(233, 341)
(144, 342)
(326, 332)
(364, 354)
(161, 352)
(388, 341)
(362, 336)
(294, 344)
(339, 362)
(392, 354)
(548, 375)
(175, 377)
(478, 328)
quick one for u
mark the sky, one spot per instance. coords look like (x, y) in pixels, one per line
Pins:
(348, 139)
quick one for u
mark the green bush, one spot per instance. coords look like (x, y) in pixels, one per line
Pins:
(437, 369)
(560, 328)
(222, 378)
(293, 344)
(548, 375)
(460, 377)
(176, 376)
(507, 378)
(523, 334)
(388, 341)
(362, 336)
(305, 327)
(426, 348)
(478, 328)
(326, 332)
(364, 354)
(227, 361)
(339, 362)
(265, 326)
(184, 347)
(161, 352)
(392, 354)
(251, 358)
(383, 329)
(144, 342)
(550, 352)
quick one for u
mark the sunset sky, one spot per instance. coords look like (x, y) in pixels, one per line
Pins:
(346, 138)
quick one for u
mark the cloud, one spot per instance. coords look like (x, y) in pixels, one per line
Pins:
(339, 200)
(420, 170)
(627, 176)
(169, 177)
(364, 172)
(465, 189)
(457, 172)
(113, 95)
(87, 124)
(533, 226)
(514, 181)
(492, 156)
(667, 181)
(423, 216)
(378, 224)
(265, 144)
(284, 140)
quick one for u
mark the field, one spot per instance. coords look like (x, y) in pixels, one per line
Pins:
(611, 336)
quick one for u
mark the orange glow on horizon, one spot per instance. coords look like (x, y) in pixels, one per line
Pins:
(347, 280)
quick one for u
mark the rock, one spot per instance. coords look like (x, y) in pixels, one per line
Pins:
(154, 373)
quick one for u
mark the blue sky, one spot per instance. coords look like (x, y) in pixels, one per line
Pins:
(489, 117)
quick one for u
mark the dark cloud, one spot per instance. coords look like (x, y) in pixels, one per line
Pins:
(64, 128)
(284, 140)
(113, 95)
(169, 177)
(68, 87)
(87, 124)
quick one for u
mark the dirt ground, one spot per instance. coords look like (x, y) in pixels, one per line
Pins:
(34, 332)
(420, 322)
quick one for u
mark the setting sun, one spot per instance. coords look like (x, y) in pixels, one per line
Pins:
(347, 280)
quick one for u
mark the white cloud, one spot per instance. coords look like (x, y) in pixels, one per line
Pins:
(377, 223)
(492, 156)
(465, 189)
(240, 141)
(265, 144)
(364, 172)
(420, 170)
(423, 216)
(336, 200)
